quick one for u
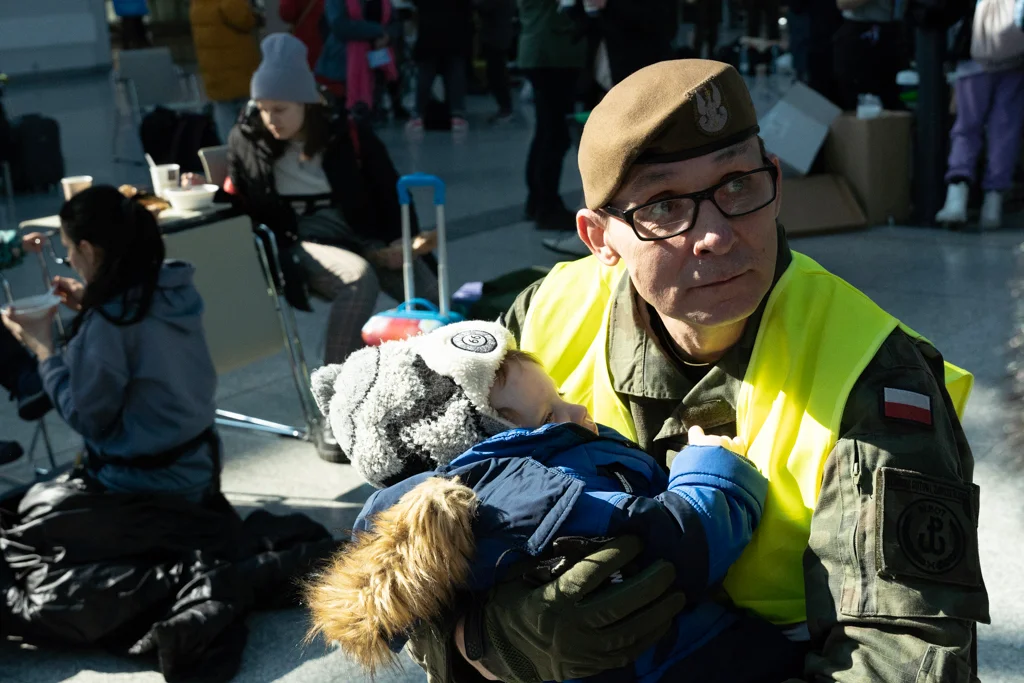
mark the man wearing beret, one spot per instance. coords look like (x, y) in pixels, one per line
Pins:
(693, 310)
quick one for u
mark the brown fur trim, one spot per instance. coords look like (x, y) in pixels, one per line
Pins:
(405, 569)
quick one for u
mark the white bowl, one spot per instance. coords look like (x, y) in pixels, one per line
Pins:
(191, 198)
(33, 307)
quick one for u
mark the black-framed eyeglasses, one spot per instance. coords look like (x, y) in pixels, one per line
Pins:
(737, 196)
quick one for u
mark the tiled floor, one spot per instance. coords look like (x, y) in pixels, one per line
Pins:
(951, 287)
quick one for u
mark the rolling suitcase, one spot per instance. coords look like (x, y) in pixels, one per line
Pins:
(415, 316)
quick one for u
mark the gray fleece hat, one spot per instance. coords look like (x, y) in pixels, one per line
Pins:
(409, 406)
(284, 73)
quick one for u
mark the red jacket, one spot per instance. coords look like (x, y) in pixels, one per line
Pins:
(309, 30)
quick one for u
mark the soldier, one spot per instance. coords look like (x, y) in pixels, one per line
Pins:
(693, 310)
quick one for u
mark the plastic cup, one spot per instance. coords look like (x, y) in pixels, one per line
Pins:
(165, 177)
(72, 185)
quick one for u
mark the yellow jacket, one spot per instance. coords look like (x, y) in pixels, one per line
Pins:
(816, 336)
(226, 48)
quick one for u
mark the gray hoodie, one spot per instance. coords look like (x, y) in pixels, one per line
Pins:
(142, 389)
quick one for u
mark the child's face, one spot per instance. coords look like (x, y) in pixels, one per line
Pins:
(84, 257)
(529, 399)
(284, 120)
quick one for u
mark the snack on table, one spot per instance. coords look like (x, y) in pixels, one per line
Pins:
(150, 201)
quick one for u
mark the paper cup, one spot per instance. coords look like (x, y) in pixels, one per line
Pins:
(165, 177)
(72, 185)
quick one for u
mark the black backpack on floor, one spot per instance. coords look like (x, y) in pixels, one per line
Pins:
(172, 137)
(37, 163)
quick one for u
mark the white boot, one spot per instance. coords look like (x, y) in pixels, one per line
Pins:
(955, 209)
(992, 210)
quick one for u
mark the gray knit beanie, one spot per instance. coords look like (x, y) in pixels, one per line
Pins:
(409, 406)
(284, 73)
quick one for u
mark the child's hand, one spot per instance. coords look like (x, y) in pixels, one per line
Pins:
(70, 292)
(697, 437)
(33, 242)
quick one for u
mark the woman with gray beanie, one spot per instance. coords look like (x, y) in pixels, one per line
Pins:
(326, 186)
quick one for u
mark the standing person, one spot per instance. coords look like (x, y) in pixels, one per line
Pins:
(763, 16)
(694, 311)
(443, 42)
(709, 18)
(638, 33)
(224, 33)
(133, 27)
(869, 51)
(354, 28)
(551, 54)
(496, 33)
(136, 381)
(336, 215)
(989, 115)
(306, 20)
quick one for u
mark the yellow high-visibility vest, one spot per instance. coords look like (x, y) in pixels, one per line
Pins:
(817, 335)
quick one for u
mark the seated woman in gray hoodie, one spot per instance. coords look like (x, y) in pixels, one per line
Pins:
(136, 379)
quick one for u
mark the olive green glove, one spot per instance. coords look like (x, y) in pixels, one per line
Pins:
(568, 628)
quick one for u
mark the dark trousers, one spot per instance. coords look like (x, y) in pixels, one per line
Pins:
(867, 58)
(554, 92)
(14, 361)
(452, 69)
(709, 17)
(763, 13)
(497, 77)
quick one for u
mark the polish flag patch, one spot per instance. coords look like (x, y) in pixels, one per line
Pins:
(908, 405)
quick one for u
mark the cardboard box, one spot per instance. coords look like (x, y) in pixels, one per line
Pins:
(874, 157)
(818, 203)
(796, 127)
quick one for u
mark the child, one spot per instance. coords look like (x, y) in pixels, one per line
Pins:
(18, 372)
(136, 380)
(486, 465)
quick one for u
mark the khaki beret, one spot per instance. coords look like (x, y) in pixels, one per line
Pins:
(669, 111)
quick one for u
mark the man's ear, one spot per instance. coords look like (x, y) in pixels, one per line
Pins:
(778, 183)
(593, 230)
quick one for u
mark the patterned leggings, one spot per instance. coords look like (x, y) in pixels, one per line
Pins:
(352, 284)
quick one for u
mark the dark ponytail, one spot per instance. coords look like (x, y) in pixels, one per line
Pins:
(133, 251)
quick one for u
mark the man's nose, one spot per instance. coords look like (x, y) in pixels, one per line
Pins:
(713, 233)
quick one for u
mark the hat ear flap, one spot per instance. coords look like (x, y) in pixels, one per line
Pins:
(322, 384)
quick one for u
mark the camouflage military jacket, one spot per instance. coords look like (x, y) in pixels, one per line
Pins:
(892, 577)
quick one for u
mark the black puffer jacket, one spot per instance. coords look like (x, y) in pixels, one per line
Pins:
(362, 185)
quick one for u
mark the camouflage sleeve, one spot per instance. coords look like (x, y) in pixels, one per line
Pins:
(893, 580)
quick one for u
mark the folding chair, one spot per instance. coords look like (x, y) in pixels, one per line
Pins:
(148, 78)
(246, 317)
(215, 164)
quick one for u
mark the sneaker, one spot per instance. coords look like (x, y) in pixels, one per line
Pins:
(954, 211)
(992, 210)
(33, 402)
(327, 447)
(570, 245)
(459, 124)
(414, 125)
(10, 451)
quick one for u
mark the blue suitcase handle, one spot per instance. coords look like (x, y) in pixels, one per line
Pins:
(420, 180)
(411, 306)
